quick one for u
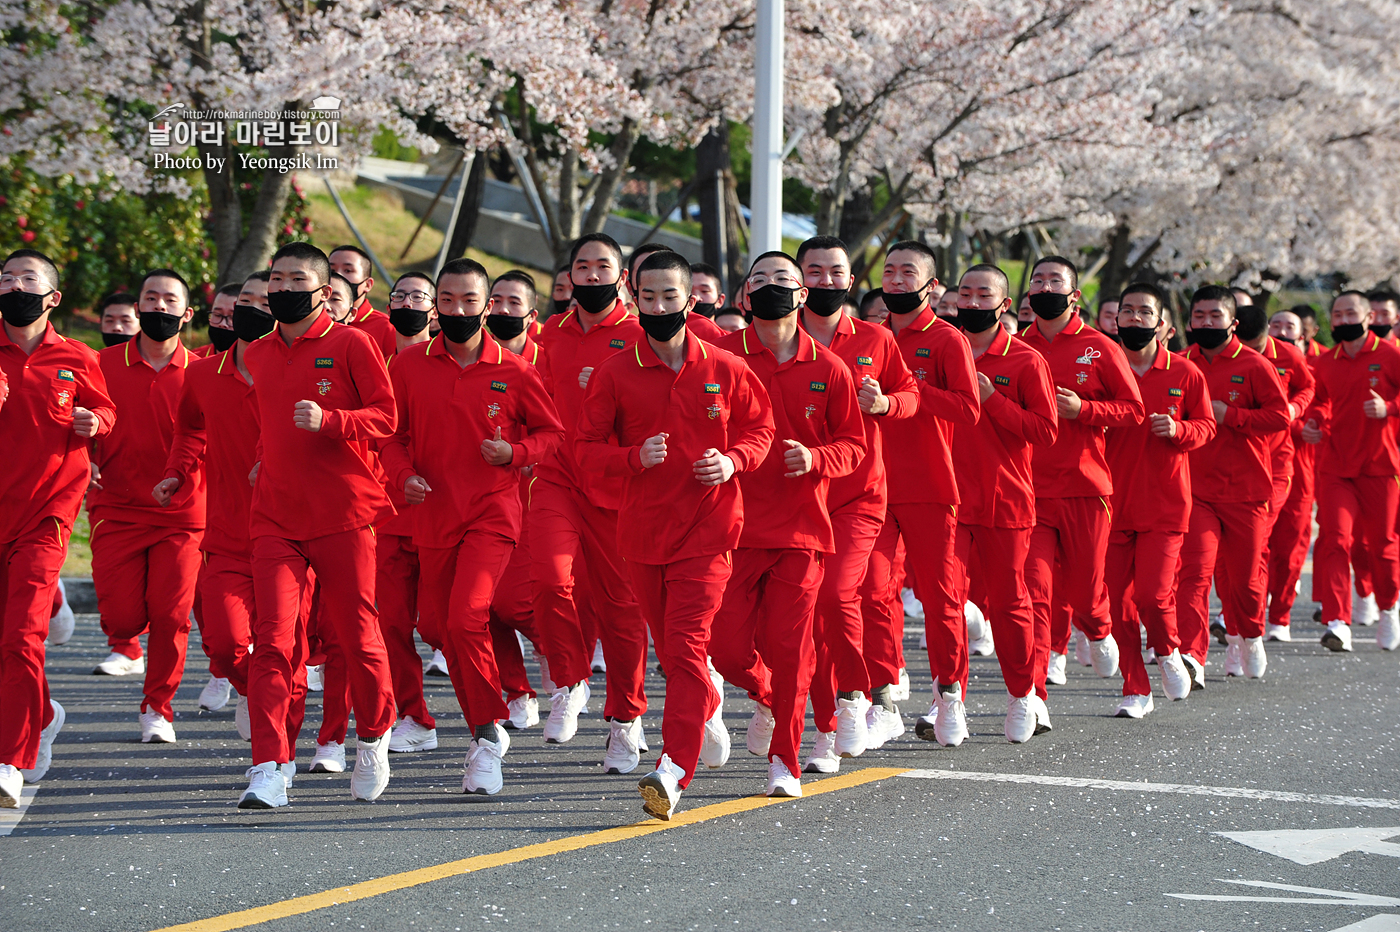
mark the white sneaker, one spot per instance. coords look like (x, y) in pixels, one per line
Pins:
(1103, 656)
(661, 790)
(882, 725)
(925, 725)
(315, 678)
(761, 726)
(1055, 674)
(215, 694)
(1020, 719)
(408, 735)
(1197, 671)
(923, 640)
(850, 726)
(524, 713)
(156, 727)
(623, 751)
(546, 683)
(289, 772)
(11, 786)
(714, 748)
(62, 623)
(1079, 641)
(241, 721)
(913, 608)
(951, 727)
(1042, 714)
(781, 782)
(599, 665)
(564, 708)
(1364, 611)
(1255, 660)
(823, 758)
(482, 772)
(1388, 634)
(1337, 637)
(1176, 679)
(371, 774)
(1273, 632)
(438, 665)
(1218, 629)
(329, 758)
(267, 788)
(1234, 655)
(899, 691)
(45, 758)
(979, 632)
(120, 665)
(1134, 706)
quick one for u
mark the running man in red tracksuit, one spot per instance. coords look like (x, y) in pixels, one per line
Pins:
(1352, 420)
(886, 391)
(677, 418)
(1094, 390)
(53, 400)
(145, 558)
(1152, 497)
(1231, 486)
(992, 460)
(323, 396)
(763, 632)
(470, 415)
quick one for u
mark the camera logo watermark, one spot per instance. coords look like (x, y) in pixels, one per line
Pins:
(178, 128)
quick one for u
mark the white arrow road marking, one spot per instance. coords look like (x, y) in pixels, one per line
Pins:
(1315, 846)
(1386, 923)
(9, 818)
(1186, 789)
(1332, 897)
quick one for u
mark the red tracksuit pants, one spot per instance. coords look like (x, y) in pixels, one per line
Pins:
(838, 626)
(29, 567)
(145, 578)
(1275, 509)
(568, 533)
(457, 586)
(344, 566)
(1363, 507)
(396, 593)
(1000, 557)
(1361, 565)
(679, 601)
(928, 530)
(1065, 564)
(226, 616)
(1288, 549)
(762, 639)
(1141, 569)
(512, 611)
(1224, 541)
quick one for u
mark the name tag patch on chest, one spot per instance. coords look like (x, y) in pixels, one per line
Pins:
(864, 361)
(1374, 367)
(1089, 356)
(1174, 392)
(1282, 372)
(818, 386)
(617, 344)
(67, 374)
(1238, 379)
(325, 362)
(498, 386)
(1002, 380)
(922, 351)
(712, 388)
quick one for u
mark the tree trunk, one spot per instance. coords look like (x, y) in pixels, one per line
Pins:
(467, 217)
(606, 183)
(1115, 270)
(711, 162)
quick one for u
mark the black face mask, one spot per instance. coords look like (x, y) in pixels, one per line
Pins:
(773, 302)
(160, 326)
(595, 299)
(20, 308)
(662, 327)
(1208, 337)
(1381, 330)
(977, 319)
(458, 329)
(115, 339)
(291, 307)
(1023, 325)
(408, 321)
(504, 327)
(1048, 305)
(826, 301)
(705, 309)
(1251, 322)
(1345, 333)
(251, 323)
(559, 307)
(221, 338)
(1135, 338)
(905, 302)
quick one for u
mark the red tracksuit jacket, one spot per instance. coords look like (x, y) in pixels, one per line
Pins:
(918, 460)
(1354, 444)
(704, 328)
(47, 470)
(217, 424)
(992, 458)
(1151, 474)
(1296, 378)
(376, 325)
(445, 411)
(715, 401)
(1235, 466)
(814, 403)
(1093, 367)
(132, 457)
(312, 485)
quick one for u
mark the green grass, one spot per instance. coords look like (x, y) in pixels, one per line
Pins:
(79, 561)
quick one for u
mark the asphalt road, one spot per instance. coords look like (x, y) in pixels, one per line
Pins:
(125, 836)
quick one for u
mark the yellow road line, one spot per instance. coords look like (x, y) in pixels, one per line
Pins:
(360, 891)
